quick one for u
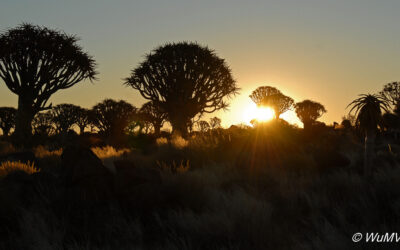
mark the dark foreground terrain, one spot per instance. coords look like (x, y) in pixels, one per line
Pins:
(266, 188)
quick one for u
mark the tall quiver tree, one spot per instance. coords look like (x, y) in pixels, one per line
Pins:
(83, 119)
(43, 123)
(368, 112)
(153, 114)
(112, 117)
(7, 119)
(308, 112)
(391, 93)
(64, 117)
(215, 122)
(186, 80)
(271, 97)
(36, 62)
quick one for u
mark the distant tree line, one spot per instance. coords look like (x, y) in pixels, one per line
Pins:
(181, 82)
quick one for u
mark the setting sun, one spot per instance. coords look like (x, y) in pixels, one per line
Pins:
(261, 114)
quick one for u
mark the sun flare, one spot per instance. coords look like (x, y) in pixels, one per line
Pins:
(261, 114)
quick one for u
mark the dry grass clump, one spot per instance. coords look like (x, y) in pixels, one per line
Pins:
(161, 141)
(179, 142)
(11, 166)
(42, 152)
(109, 152)
(182, 167)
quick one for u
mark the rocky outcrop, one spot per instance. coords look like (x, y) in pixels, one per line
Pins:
(85, 175)
(137, 187)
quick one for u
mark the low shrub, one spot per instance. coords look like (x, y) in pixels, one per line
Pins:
(109, 152)
(11, 166)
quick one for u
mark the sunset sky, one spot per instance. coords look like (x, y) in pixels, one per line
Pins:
(327, 51)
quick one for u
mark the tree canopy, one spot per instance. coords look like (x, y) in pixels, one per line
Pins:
(391, 92)
(215, 123)
(43, 123)
(154, 115)
(368, 111)
(309, 111)
(7, 119)
(111, 117)
(273, 98)
(186, 80)
(64, 116)
(203, 126)
(36, 62)
(83, 119)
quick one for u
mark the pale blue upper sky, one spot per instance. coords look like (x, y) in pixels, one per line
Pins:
(328, 51)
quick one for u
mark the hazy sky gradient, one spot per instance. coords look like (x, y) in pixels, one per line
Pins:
(327, 51)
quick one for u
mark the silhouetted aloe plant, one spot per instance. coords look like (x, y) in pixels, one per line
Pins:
(368, 110)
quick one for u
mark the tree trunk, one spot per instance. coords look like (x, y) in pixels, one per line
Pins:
(23, 123)
(157, 129)
(6, 131)
(81, 129)
(180, 126)
(369, 151)
(307, 125)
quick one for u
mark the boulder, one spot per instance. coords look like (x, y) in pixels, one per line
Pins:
(137, 187)
(85, 175)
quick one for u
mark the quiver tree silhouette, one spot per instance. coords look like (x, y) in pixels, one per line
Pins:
(203, 126)
(308, 112)
(64, 117)
(112, 117)
(152, 114)
(185, 80)
(368, 111)
(43, 123)
(36, 62)
(7, 119)
(259, 95)
(350, 118)
(391, 93)
(215, 123)
(346, 124)
(136, 126)
(83, 119)
(271, 97)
